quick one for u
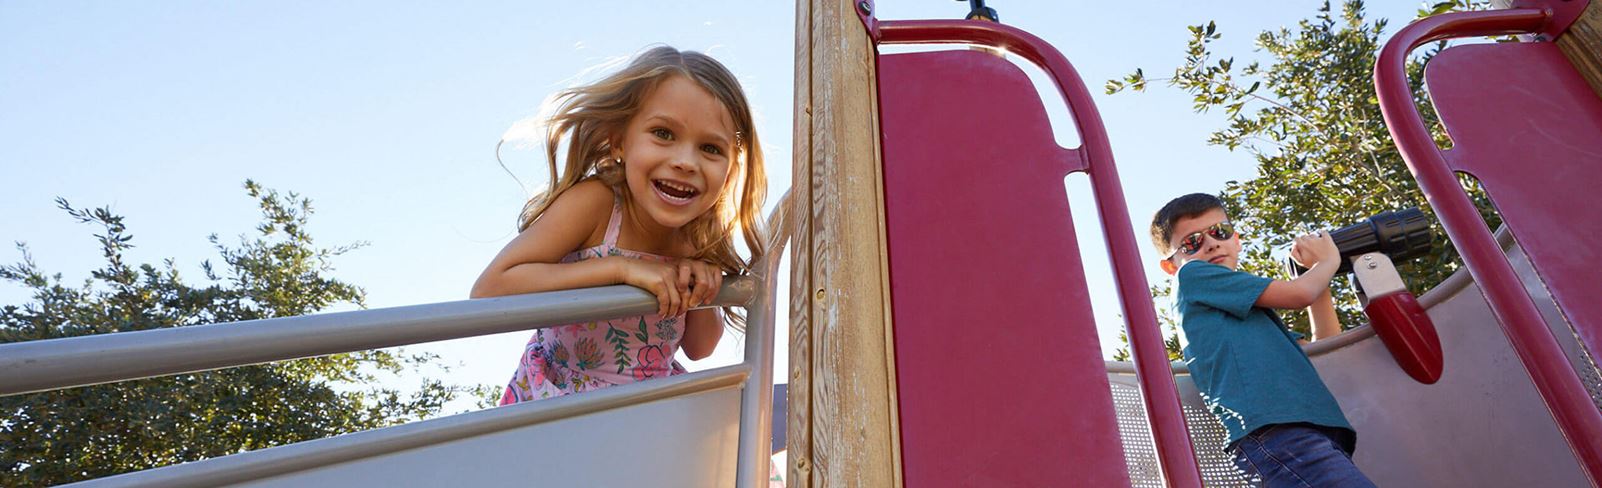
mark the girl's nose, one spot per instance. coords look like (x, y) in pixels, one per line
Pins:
(684, 162)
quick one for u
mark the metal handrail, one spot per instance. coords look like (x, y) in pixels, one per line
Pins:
(33, 366)
(756, 401)
(79, 361)
(1557, 381)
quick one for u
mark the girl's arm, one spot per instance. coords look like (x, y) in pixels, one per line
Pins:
(530, 262)
(1326, 323)
(702, 330)
(699, 282)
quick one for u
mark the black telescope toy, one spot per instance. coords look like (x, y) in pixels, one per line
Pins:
(1401, 234)
(1400, 321)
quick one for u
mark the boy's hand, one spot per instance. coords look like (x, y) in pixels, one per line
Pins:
(1314, 248)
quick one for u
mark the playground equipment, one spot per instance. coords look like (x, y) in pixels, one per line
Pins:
(874, 398)
(924, 351)
(717, 434)
(1367, 249)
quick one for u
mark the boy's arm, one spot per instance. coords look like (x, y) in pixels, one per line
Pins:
(1301, 292)
(1326, 323)
(1318, 249)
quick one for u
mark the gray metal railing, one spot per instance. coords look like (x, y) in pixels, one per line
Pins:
(51, 364)
(36, 366)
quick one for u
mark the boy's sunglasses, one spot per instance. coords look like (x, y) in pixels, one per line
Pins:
(1192, 243)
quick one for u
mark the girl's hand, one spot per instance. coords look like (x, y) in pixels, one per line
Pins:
(699, 281)
(661, 279)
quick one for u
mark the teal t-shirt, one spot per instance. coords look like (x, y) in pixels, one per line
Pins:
(1246, 362)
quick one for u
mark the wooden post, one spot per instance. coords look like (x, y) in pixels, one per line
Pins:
(1583, 45)
(842, 427)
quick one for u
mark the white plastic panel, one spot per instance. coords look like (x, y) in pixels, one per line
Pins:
(684, 441)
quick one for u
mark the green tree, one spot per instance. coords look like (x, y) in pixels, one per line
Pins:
(73, 434)
(1309, 116)
(1160, 294)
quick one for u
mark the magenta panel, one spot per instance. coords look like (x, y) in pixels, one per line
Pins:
(1527, 125)
(999, 372)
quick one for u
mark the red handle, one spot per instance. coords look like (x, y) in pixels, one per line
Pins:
(1408, 334)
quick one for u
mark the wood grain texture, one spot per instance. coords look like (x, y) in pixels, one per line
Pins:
(840, 354)
(1583, 45)
(798, 440)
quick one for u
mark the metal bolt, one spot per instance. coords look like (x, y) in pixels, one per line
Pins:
(1372, 265)
(819, 296)
(865, 8)
(1368, 258)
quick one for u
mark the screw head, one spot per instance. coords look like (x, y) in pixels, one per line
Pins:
(865, 8)
(819, 296)
(1372, 265)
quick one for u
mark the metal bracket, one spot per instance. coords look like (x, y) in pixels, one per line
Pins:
(1376, 276)
(1560, 14)
(865, 11)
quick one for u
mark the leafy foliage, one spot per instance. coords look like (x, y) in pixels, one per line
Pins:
(73, 434)
(1166, 322)
(1309, 116)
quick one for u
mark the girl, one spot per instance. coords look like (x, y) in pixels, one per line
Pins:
(662, 165)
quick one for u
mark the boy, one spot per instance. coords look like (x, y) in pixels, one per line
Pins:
(1284, 425)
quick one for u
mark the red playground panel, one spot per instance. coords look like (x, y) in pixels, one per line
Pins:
(999, 372)
(1527, 125)
(1524, 123)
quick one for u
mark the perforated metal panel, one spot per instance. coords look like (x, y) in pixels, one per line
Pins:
(1144, 472)
(1206, 434)
(1586, 365)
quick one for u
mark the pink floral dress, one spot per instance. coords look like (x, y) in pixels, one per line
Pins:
(580, 357)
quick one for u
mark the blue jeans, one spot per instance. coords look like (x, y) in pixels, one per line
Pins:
(1299, 455)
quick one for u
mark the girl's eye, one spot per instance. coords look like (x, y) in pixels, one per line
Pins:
(662, 134)
(712, 149)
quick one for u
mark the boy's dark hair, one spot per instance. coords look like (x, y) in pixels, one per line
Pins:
(1162, 224)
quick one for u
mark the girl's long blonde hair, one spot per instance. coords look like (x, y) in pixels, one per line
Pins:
(592, 117)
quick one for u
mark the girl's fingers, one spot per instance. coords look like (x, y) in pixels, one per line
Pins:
(685, 275)
(662, 303)
(692, 286)
(717, 284)
(676, 300)
(704, 284)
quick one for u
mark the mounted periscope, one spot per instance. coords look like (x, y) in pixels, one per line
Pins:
(1367, 249)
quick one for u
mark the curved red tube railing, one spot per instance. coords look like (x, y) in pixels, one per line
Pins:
(1161, 397)
(1560, 387)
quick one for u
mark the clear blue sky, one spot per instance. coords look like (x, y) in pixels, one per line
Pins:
(386, 114)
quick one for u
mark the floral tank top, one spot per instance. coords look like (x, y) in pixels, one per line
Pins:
(580, 357)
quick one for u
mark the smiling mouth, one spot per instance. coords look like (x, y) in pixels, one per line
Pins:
(674, 192)
(1216, 259)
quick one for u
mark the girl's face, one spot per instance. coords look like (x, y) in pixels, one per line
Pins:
(677, 151)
